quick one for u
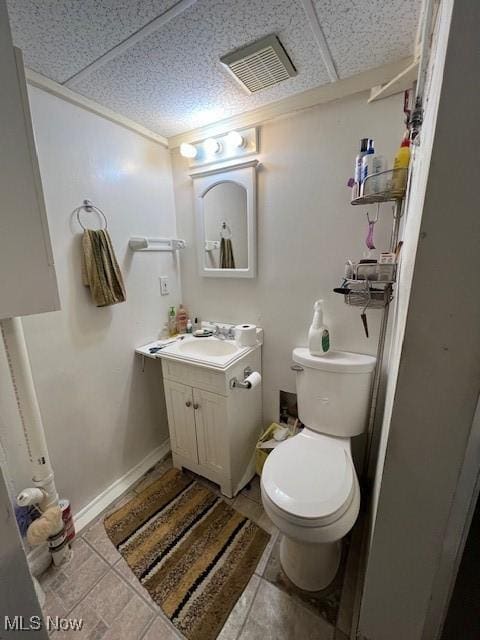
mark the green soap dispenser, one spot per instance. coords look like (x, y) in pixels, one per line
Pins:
(172, 321)
(318, 335)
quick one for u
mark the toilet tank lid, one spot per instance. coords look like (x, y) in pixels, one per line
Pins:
(338, 361)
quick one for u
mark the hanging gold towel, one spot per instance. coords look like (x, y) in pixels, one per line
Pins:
(227, 261)
(100, 268)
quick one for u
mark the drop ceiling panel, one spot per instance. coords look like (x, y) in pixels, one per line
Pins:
(60, 37)
(363, 34)
(174, 81)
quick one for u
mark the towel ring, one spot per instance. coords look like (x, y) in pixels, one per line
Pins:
(89, 207)
(225, 231)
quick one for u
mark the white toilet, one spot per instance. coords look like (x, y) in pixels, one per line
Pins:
(309, 485)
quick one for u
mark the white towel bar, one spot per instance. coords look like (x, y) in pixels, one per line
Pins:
(140, 243)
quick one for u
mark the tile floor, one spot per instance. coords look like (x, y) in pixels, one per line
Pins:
(98, 586)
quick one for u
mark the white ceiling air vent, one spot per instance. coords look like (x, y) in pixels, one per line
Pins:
(260, 65)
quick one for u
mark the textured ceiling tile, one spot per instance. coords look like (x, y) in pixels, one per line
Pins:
(60, 37)
(173, 81)
(363, 34)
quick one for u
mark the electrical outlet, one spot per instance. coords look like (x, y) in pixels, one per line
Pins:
(164, 290)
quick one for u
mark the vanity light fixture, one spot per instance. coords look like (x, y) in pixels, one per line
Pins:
(212, 146)
(235, 139)
(188, 150)
(229, 145)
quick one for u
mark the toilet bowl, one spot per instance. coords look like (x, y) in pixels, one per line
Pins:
(309, 486)
(310, 492)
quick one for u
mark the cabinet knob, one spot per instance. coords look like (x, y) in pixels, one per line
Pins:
(188, 403)
(196, 405)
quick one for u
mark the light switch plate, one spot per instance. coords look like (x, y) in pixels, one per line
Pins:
(164, 290)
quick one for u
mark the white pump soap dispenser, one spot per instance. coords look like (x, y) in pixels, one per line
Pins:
(318, 335)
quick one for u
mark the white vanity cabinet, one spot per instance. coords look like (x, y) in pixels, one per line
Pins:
(213, 427)
(197, 422)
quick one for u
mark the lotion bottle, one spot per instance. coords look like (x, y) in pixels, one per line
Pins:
(182, 317)
(318, 335)
(402, 160)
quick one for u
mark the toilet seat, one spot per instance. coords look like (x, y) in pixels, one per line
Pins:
(309, 479)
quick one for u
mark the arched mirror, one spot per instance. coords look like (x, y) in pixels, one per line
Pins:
(226, 221)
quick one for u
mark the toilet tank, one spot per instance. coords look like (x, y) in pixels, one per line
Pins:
(333, 391)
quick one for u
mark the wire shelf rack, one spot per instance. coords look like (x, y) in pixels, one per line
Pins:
(364, 293)
(385, 186)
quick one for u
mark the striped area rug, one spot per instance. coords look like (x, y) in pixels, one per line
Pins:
(190, 550)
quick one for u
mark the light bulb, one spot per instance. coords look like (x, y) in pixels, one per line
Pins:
(235, 139)
(188, 150)
(211, 146)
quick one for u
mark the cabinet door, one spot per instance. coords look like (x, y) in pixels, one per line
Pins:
(28, 282)
(212, 429)
(181, 419)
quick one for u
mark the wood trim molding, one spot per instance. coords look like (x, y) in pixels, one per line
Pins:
(89, 512)
(151, 27)
(50, 86)
(320, 95)
(305, 100)
(320, 39)
(402, 81)
(221, 168)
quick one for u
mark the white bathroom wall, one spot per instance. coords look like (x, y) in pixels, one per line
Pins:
(426, 482)
(306, 230)
(102, 413)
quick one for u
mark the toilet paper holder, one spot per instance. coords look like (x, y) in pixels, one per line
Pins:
(242, 384)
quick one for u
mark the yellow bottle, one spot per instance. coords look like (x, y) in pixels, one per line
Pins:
(402, 160)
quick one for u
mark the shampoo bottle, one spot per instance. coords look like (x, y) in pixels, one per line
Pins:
(372, 164)
(318, 335)
(364, 145)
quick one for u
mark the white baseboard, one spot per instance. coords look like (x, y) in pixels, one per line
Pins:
(86, 515)
(39, 559)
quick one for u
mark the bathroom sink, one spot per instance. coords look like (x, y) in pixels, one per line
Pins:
(208, 347)
(206, 352)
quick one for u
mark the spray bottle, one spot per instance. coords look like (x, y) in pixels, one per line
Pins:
(318, 335)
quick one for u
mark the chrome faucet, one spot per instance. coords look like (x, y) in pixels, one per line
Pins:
(218, 332)
(222, 333)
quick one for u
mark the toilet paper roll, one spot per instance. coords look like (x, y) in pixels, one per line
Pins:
(30, 496)
(246, 335)
(254, 379)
